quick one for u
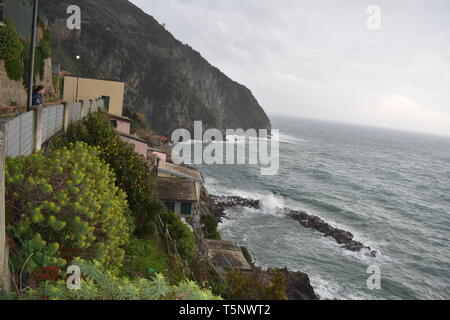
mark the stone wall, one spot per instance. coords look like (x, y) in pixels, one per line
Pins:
(47, 81)
(14, 93)
(11, 92)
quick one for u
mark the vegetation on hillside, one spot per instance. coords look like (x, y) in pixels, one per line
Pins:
(144, 257)
(16, 53)
(11, 48)
(210, 224)
(79, 204)
(257, 285)
(65, 206)
(100, 284)
(132, 171)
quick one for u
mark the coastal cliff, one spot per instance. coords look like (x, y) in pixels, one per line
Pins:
(166, 80)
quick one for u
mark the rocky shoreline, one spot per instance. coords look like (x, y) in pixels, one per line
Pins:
(218, 205)
(298, 285)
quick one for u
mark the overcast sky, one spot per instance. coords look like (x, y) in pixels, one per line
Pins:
(318, 59)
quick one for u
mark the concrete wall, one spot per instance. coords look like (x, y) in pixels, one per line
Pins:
(92, 89)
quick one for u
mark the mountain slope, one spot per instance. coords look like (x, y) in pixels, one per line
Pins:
(166, 80)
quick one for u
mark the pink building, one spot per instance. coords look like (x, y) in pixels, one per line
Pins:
(122, 124)
(140, 145)
(154, 153)
(123, 127)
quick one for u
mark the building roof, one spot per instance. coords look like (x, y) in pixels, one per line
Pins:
(122, 118)
(181, 172)
(172, 189)
(130, 136)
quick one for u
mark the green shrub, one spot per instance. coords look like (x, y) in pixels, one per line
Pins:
(14, 69)
(64, 206)
(100, 284)
(181, 236)
(132, 171)
(247, 255)
(144, 255)
(210, 226)
(257, 285)
(11, 51)
(43, 52)
(10, 44)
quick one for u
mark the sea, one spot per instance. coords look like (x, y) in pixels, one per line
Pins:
(391, 189)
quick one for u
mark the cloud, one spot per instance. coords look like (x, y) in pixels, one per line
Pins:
(318, 59)
(418, 118)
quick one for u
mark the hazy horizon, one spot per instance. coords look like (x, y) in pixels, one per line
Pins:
(321, 61)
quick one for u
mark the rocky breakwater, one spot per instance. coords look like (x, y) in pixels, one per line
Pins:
(219, 204)
(342, 237)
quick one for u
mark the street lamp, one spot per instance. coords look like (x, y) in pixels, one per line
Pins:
(32, 54)
(78, 59)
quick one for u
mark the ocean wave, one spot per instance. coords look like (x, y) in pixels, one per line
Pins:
(290, 139)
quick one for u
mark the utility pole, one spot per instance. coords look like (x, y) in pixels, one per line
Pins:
(2, 4)
(78, 77)
(32, 54)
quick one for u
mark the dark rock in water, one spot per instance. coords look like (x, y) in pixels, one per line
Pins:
(298, 286)
(340, 236)
(218, 205)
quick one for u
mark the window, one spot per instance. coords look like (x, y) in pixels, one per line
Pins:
(186, 208)
(107, 100)
(114, 123)
(170, 206)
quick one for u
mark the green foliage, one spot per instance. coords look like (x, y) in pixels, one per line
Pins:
(64, 206)
(180, 236)
(257, 285)
(10, 51)
(205, 274)
(10, 44)
(100, 284)
(43, 52)
(143, 256)
(132, 171)
(14, 69)
(210, 226)
(247, 255)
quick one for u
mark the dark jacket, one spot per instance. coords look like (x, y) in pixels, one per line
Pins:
(38, 99)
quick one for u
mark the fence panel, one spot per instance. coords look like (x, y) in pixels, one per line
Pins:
(20, 135)
(78, 112)
(52, 121)
(27, 134)
(94, 105)
(13, 138)
(20, 131)
(74, 113)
